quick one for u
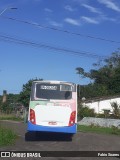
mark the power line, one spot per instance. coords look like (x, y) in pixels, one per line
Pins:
(10, 39)
(60, 30)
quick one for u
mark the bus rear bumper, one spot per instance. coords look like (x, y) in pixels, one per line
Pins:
(66, 129)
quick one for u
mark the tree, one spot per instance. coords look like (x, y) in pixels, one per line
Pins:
(8, 106)
(106, 77)
(25, 93)
(114, 60)
(80, 71)
(82, 74)
(93, 90)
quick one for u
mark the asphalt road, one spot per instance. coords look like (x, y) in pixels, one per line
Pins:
(28, 141)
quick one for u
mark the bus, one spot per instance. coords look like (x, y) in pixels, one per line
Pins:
(53, 107)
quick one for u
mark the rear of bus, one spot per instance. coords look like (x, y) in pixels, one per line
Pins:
(53, 107)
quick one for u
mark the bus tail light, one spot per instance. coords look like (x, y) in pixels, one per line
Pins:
(32, 116)
(72, 118)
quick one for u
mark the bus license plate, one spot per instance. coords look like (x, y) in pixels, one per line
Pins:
(52, 123)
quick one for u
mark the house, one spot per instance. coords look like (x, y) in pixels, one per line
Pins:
(101, 104)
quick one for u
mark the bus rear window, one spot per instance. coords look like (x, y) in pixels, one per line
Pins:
(65, 87)
(53, 91)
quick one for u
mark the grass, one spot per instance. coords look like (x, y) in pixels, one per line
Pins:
(7, 136)
(92, 128)
(10, 117)
(97, 129)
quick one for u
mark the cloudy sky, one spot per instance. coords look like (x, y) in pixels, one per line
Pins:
(48, 39)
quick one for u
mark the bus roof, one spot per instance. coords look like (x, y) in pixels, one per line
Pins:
(53, 81)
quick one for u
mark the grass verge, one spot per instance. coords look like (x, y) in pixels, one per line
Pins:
(7, 136)
(10, 117)
(98, 129)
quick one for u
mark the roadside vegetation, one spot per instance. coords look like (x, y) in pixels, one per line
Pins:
(105, 78)
(97, 129)
(7, 136)
(85, 111)
(10, 117)
(105, 81)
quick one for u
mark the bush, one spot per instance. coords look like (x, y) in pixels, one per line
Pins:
(115, 130)
(10, 117)
(116, 109)
(85, 111)
(100, 115)
(6, 108)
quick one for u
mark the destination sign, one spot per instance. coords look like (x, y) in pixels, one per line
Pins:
(48, 87)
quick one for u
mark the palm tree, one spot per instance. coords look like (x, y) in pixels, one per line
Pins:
(116, 109)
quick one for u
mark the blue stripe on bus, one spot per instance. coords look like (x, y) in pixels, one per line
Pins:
(69, 129)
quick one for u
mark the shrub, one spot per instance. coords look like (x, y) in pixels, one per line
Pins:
(116, 109)
(85, 111)
(106, 113)
(115, 130)
(92, 125)
(6, 108)
(100, 115)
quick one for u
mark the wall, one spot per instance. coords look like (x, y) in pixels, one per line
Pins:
(100, 105)
(100, 122)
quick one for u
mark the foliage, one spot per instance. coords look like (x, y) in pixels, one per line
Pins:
(25, 93)
(115, 130)
(8, 106)
(116, 109)
(93, 90)
(15, 99)
(0, 98)
(100, 115)
(105, 79)
(92, 125)
(12, 98)
(81, 72)
(5, 107)
(10, 117)
(106, 113)
(85, 111)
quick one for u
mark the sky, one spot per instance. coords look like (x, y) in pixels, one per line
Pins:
(49, 39)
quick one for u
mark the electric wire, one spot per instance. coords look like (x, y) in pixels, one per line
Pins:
(60, 30)
(10, 39)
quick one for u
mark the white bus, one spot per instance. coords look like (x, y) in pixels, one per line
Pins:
(53, 107)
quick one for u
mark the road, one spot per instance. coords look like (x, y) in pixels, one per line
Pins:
(82, 141)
